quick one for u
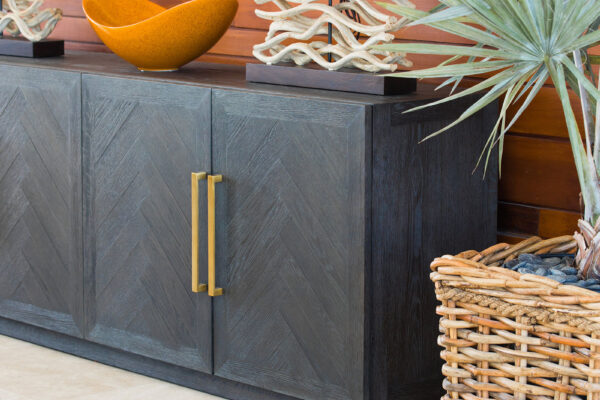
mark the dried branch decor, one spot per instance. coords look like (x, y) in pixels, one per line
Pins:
(292, 22)
(24, 17)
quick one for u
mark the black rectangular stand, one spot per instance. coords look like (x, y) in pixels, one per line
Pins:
(345, 80)
(21, 47)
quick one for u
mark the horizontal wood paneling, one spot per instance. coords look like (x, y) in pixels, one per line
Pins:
(75, 29)
(70, 8)
(539, 189)
(531, 220)
(511, 238)
(556, 222)
(514, 217)
(236, 41)
(246, 18)
(540, 172)
(544, 116)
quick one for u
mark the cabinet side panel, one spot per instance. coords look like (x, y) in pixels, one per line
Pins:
(426, 203)
(40, 198)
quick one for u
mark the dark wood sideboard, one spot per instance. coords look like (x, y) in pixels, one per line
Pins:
(327, 216)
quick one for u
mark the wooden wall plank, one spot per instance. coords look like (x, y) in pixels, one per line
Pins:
(514, 217)
(236, 42)
(246, 18)
(557, 223)
(544, 115)
(75, 29)
(70, 8)
(531, 220)
(539, 171)
(510, 238)
(73, 8)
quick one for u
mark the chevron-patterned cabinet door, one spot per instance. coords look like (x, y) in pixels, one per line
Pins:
(290, 243)
(40, 198)
(142, 140)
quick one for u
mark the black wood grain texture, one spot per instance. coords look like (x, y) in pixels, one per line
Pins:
(290, 243)
(139, 364)
(142, 140)
(425, 203)
(345, 80)
(40, 198)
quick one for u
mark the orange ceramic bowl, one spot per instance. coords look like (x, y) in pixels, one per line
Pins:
(157, 39)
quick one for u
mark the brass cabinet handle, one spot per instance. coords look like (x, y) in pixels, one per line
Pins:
(212, 290)
(196, 178)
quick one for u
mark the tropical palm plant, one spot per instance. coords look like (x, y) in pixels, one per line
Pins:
(520, 44)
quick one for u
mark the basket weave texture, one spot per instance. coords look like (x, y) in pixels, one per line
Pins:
(517, 336)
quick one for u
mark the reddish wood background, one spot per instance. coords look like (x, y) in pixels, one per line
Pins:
(538, 189)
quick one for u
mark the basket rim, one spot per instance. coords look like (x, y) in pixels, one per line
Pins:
(482, 271)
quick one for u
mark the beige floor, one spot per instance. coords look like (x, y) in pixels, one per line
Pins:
(30, 372)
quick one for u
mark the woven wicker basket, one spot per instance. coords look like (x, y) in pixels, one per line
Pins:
(508, 335)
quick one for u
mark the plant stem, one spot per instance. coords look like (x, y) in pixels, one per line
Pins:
(585, 106)
(597, 134)
(589, 189)
(590, 184)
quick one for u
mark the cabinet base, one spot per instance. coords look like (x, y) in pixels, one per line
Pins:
(206, 383)
(138, 364)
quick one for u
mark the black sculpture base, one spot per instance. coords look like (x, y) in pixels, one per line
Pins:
(345, 80)
(20, 47)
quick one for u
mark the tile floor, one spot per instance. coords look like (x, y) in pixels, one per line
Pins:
(30, 372)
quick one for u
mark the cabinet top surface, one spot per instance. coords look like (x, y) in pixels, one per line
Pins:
(218, 76)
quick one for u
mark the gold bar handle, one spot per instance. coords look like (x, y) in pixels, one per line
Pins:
(196, 287)
(212, 290)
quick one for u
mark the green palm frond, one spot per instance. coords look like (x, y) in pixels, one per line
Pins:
(519, 45)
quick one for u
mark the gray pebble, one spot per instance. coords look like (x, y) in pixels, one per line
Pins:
(571, 279)
(569, 270)
(552, 261)
(580, 284)
(590, 282)
(531, 258)
(595, 288)
(557, 272)
(534, 266)
(558, 278)
(541, 271)
(525, 271)
(511, 264)
(519, 265)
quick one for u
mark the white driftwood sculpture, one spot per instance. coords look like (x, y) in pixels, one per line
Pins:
(24, 17)
(292, 23)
